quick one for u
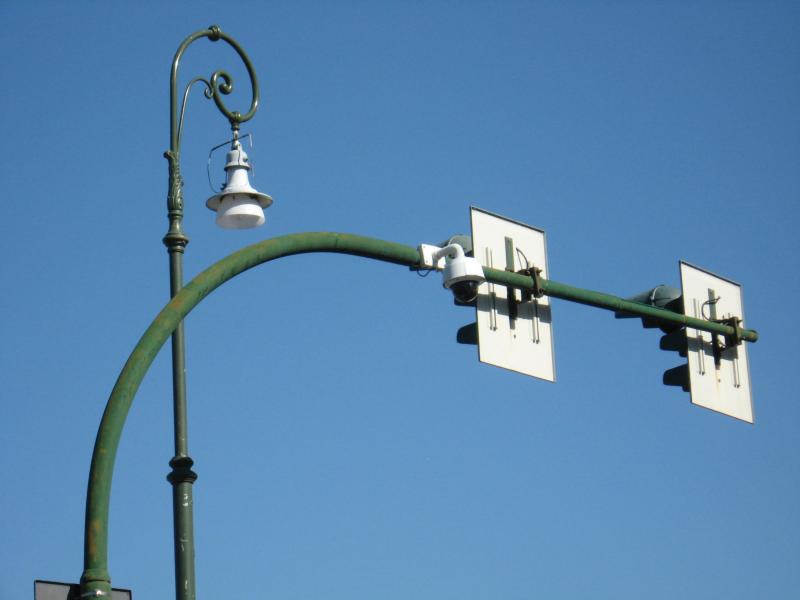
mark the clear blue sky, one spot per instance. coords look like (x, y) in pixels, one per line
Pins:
(347, 447)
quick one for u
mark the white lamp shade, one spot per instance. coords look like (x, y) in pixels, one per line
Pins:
(238, 205)
(239, 211)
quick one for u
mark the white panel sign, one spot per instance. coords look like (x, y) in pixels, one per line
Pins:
(514, 335)
(719, 376)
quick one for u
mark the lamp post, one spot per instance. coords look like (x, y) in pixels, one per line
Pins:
(238, 205)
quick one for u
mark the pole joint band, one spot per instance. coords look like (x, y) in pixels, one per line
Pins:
(181, 470)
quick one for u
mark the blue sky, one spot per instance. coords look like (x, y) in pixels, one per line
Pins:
(346, 446)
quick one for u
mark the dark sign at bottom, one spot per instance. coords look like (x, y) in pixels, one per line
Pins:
(53, 590)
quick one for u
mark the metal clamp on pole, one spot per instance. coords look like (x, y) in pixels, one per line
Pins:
(536, 276)
(735, 338)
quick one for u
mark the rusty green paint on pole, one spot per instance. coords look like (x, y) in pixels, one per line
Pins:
(95, 580)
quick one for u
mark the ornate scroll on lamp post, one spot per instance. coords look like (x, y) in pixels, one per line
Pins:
(238, 206)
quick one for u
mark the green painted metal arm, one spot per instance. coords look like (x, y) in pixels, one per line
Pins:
(95, 580)
(609, 302)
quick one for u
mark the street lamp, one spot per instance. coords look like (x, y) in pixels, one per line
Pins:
(238, 206)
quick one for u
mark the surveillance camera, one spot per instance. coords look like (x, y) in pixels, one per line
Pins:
(461, 274)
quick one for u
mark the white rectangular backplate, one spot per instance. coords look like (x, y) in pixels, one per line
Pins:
(721, 382)
(521, 342)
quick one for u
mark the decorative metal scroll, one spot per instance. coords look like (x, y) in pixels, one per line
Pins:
(218, 85)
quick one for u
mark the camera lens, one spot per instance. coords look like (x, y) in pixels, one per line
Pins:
(465, 291)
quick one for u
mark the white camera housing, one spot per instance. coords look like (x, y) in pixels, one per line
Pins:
(461, 274)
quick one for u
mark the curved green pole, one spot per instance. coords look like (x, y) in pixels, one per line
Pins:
(95, 581)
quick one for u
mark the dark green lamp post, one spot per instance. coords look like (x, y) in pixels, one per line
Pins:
(238, 206)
